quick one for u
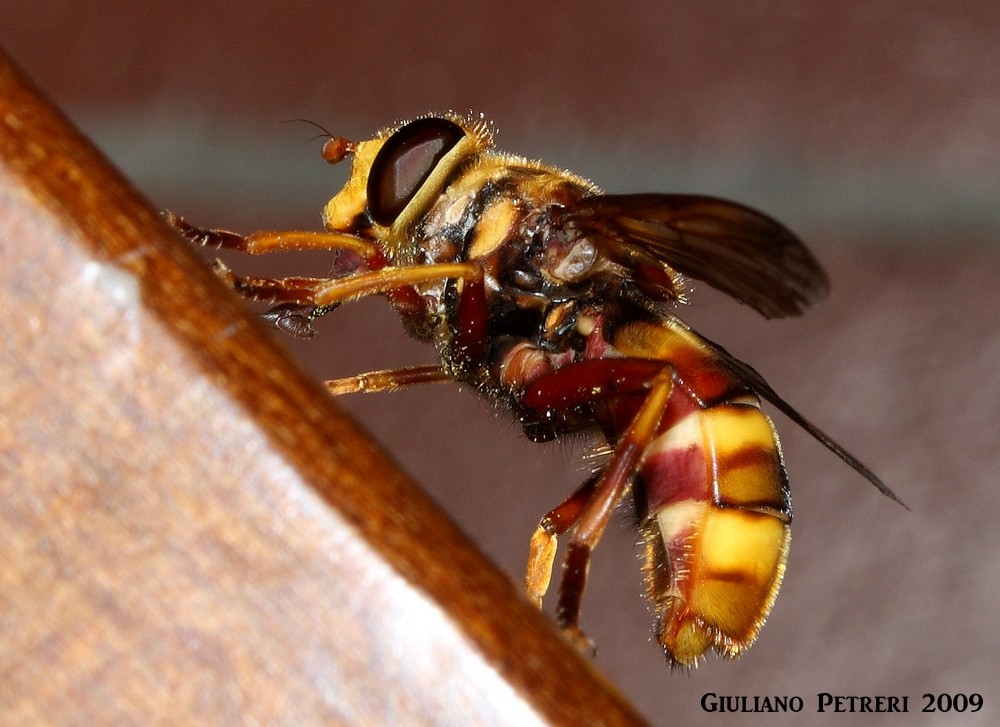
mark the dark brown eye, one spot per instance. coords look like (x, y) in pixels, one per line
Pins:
(405, 162)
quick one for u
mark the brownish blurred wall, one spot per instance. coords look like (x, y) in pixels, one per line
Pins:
(871, 128)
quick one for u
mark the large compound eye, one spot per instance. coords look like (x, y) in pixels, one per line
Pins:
(405, 162)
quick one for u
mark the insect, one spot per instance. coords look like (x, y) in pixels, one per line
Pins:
(558, 302)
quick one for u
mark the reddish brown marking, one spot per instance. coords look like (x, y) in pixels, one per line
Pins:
(696, 365)
(676, 475)
(707, 381)
(468, 345)
(591, 380)
(746, 455)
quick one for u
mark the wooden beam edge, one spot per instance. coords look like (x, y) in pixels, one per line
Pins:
(69, 182)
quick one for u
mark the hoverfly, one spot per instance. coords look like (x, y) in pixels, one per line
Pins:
(557, 302)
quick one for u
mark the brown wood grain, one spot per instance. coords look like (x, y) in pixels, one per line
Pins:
(190, 531)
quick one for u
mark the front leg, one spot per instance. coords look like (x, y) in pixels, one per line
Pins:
(295, 308)
(257, 243)
(294, 290)
(363, 271)
(311, 297)
(295, 319)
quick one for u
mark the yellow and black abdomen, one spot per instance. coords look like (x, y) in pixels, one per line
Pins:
(717, 502)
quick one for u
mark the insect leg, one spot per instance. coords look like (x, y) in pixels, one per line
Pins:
(612, 485)
(542, 550)
(264, 242)
(587, 512)
(388, 380)
(468, 347)
(321, 295)
(302, 299)
(339, 290)
(272, 290)
(294, 311)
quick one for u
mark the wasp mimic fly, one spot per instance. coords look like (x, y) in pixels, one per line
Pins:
(558, 302)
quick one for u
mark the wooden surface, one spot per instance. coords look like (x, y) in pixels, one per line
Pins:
(190, 531)
(868, 127)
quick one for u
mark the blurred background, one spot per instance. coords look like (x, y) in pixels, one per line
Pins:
(871, 128)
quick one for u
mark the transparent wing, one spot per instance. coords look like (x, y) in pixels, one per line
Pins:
(734, 248)
(749, 376)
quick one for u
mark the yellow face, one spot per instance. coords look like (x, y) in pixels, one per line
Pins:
(397, 175)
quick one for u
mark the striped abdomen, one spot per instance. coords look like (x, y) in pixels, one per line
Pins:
(718, 509)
